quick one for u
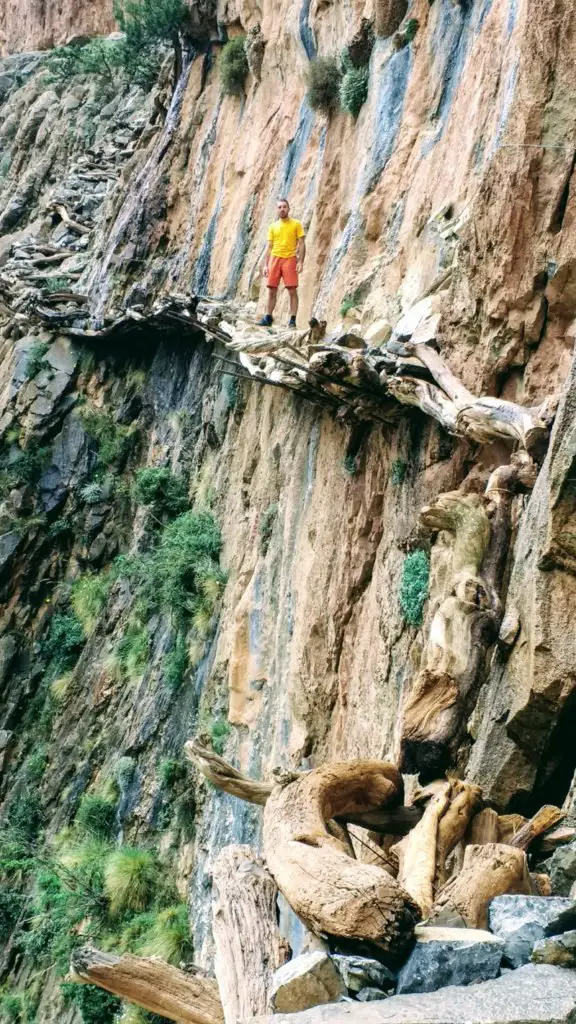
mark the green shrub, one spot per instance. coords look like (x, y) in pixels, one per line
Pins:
(55, 284)
(267, 526)
(35, 764)
(24, 815)
(233, 66)
(131, 877)
(124, 772)
(27, 465)
(169, 938)
(11, 1007)
(177, 575)
(36, 361)
(92, 493)
(96, 817)
(171, 770)
(176, 663)
(163, 492)
(354, 90)
(112, 440)
(149, 21)
(399, 470)
(95, 1004)
(219, 733)
(350, 301)
(88, 599)
(62, 643)
(323, 79)
(414, 586)
(12, 903)
(133, 650)
(411, 29)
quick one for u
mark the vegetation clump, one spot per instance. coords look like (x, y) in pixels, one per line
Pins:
(354, 90)
(399, 470)
(112, 440)
(96, 817)
(323, 79)
(95, 1004)
(350, 301)
(233, 66)
(414, 586)
(63, 643)
(163, 492)
(130, 878)
(36, 359)
(89, 597)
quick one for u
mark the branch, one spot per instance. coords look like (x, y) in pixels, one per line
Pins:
(224, 776)
(152, 984)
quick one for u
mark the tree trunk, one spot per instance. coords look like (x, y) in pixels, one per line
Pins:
(249, 947)
(330, 891)
(487, 871)
(152, 984)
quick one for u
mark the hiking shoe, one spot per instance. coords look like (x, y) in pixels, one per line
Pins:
(266, 321)
(292, 321)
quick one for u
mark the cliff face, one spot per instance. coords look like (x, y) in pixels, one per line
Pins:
(39, 24)
(455, 180)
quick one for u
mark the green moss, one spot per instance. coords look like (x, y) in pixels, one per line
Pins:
(411, 29)
(96, 817)
(164, 493)
(124, 772)
(414, 586)
(354, 90)
(399, 470)
(233, 66)
(350, 465)
(323, 79)
(171, 771)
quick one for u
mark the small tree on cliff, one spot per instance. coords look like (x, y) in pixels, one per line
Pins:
(146, 22)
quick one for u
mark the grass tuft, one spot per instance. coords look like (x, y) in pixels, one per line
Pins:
(131, 876)
(414, 586)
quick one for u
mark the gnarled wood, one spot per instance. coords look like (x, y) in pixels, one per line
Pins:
(330, 891)
(152, 984)
(487, 871)
(249, 947)
(424, 851)
(546, 818)
(224, 776)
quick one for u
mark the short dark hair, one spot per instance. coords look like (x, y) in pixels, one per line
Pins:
(283, 199)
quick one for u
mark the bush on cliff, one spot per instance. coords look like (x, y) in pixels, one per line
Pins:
(354, 90)
(233, 66)
(323, 79)
(414, 586)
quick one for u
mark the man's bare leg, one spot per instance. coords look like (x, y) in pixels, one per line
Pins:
(293, 293)
(272, 296)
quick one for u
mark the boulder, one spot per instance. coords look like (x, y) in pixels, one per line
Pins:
(535, 994)
(563, 870)
(522, 921)
(378, 334)
(308, 980)
(360, 972)
(370, 995)
(560, 950)
(450, 956)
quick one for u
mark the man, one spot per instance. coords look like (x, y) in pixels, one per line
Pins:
(284, 261)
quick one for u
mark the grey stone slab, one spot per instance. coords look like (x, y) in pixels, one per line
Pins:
(308, 980)
(450, 956)
(522, 921)
(532, 995)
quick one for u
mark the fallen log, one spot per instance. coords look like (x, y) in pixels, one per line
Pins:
(487, 871)
(546, 818)
(152, 984)
(249, 947)
(331, 892)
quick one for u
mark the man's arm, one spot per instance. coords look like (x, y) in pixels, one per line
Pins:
(267, 259)
(301, 255)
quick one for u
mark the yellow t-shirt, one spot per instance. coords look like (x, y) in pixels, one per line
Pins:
(284, 235)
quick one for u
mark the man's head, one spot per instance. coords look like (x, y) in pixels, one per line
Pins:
(283, 209)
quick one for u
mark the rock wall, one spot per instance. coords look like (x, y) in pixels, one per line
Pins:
(41, 24)
(455, 178)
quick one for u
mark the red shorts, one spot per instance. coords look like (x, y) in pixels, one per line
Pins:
(284, 269)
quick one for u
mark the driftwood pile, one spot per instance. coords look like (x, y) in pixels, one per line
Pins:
(441, 858)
